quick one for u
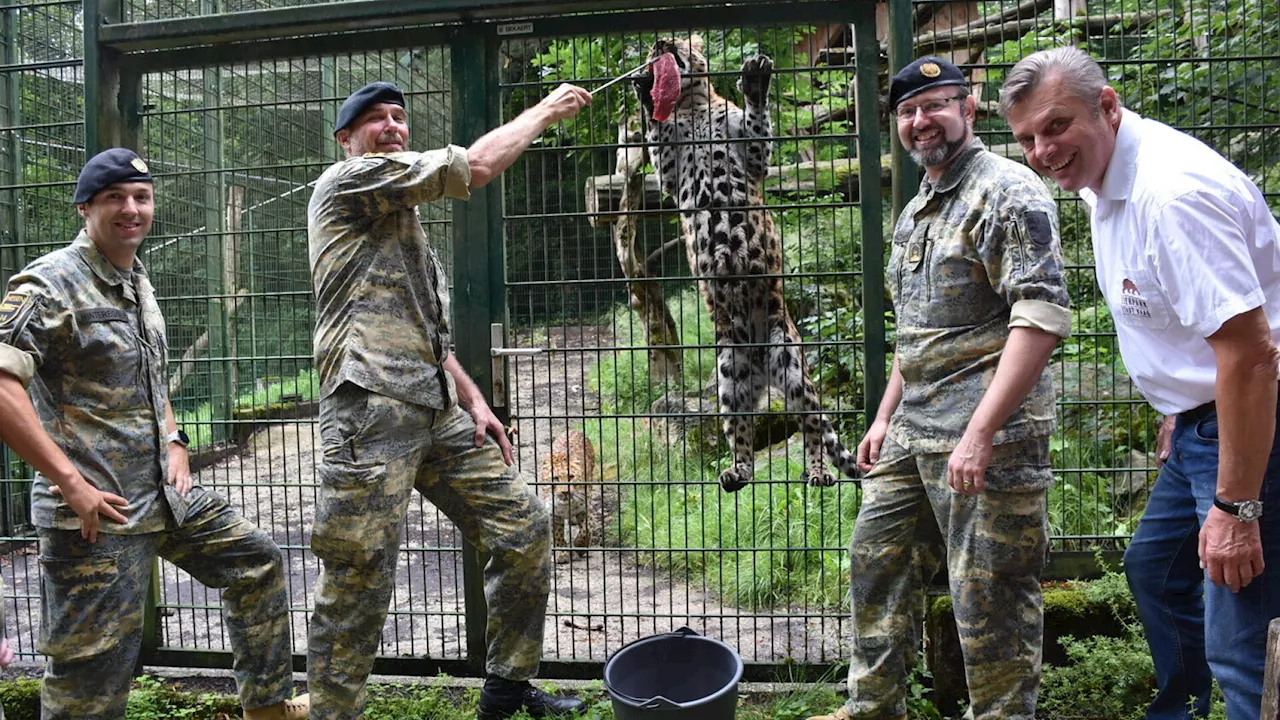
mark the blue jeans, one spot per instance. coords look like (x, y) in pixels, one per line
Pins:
(1197, 630)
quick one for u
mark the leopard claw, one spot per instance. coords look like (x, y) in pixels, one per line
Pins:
(821, 478)
(754, 83)
(733, 480)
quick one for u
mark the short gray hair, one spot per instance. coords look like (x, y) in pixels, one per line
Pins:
(1081, 76)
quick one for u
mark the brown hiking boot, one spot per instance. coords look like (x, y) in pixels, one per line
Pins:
(294, 709)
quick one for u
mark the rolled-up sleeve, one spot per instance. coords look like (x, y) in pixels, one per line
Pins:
(377, 184)
(1024, 260)
(28, 321)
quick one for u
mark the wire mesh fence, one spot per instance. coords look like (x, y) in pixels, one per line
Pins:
(766, 567)
(608, 331)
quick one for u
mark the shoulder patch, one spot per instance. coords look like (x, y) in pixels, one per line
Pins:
(16, 304)
(1039, 229)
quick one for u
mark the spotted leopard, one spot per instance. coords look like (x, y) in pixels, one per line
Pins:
(712, 158)
(575, 519)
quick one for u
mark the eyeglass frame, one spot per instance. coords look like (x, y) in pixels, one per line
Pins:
(942, 106)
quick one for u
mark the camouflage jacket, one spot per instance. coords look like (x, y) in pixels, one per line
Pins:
(382, 307)
(90, 347)
(974, 254)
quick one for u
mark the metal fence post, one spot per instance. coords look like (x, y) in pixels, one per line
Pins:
(906, 176)
(869, 193)
(107, 99)
(477, 230)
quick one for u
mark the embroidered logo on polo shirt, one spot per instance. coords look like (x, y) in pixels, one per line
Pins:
(1131, 301)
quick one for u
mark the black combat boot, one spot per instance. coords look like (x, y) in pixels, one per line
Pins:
(501, 698)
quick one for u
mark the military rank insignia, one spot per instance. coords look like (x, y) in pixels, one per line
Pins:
(14, 306)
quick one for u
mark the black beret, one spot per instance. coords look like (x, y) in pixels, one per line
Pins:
(360, 100)
(107, 168)
(923, 74)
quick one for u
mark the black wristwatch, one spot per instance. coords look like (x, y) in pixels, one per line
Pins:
(1245, 510)
(180, 437)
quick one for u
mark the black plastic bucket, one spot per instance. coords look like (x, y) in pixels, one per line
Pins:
(677, 675)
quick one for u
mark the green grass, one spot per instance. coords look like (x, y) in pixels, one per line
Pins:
(156, 699)
(757, 548)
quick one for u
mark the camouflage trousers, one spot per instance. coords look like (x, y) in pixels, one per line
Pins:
(376, 451)
(994, 544)
(92, 596)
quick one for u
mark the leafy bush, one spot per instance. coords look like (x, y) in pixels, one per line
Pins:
(1106, 678)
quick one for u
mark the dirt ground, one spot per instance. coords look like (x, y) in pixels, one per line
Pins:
(597, 604)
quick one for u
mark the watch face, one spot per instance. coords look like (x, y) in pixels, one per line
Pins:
(1250, 510)
(182, 437)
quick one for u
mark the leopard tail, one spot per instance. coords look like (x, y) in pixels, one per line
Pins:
(845, 461)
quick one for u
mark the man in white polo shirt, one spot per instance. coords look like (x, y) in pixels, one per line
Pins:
(1188, 259)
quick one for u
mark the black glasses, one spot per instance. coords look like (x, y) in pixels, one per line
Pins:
(931, 108)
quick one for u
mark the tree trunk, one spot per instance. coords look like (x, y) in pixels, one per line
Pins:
(660, 330)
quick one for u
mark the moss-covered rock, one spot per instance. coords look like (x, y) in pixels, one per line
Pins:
(1068, 611)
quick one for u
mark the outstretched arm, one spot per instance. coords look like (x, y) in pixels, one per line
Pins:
(498, 149)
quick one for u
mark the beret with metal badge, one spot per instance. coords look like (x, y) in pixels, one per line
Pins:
(364, 98)
(924, 74)
(107, 168)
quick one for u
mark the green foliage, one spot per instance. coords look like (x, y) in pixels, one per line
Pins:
(1185, 91)
(1112, 590)
(154, 699)
(676, 501)
(622, 379)
(1105, 678)
(395, 701)
(20, 699)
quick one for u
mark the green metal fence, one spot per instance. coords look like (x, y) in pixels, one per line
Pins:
(232, 104)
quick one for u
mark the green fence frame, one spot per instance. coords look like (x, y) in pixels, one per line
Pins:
(125, 40)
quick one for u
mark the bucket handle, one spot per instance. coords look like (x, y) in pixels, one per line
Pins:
(660, 703)
(657, 702)
(678, 632)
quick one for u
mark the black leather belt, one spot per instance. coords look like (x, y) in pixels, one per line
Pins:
(1195, 414)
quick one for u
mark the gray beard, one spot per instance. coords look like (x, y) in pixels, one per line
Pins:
(939, 155)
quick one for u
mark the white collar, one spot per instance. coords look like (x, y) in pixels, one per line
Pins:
(1117, 183)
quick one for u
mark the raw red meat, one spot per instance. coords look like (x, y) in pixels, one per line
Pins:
(666, 86)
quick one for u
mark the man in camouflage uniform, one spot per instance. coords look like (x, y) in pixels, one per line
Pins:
(958, 455)
(80, 331)
(397, 411)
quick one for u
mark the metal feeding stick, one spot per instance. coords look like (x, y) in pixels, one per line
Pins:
(625, 75)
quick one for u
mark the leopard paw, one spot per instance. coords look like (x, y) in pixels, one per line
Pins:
(820, 478)
(734, 479)
(754, 83)
(643, 83)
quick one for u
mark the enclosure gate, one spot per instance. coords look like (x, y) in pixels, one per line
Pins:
(566, 275)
